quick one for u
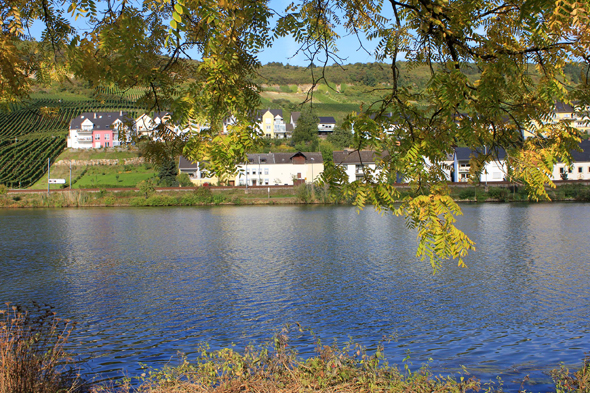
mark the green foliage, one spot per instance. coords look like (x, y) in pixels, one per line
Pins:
(327, 150)
(167, 174)
(341, 137)
(305, 135)
(184, 180)
(147, 187)
(303, 193)
(3, 189)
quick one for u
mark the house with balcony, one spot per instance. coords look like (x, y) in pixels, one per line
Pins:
(147, 126)
(326, 125)
(578, 118)
(493, 171)
(96, 130)
(271, 123)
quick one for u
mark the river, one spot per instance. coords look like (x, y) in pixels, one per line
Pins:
(146, 283)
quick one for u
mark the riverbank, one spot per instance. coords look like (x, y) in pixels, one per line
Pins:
(261, 195)
(35, 358)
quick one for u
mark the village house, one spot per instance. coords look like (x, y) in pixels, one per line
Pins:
(580, 169)
(96, 130)
(152, 127)
(357, 164)
(271, 123)
(566, 113)
(494, 171)
(195, 172)
(280, 169)
(326, 125)
(264, 169)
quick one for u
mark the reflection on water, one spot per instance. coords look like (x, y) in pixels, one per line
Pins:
(147, 283)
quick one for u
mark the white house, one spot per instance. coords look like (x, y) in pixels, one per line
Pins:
(566, 113)
(580, 169)
(494, 171)
(357, 164)
(96, 130)
(280, 169)
(152, 127)
(326, 125)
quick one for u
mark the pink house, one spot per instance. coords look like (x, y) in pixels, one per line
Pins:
(96, 130)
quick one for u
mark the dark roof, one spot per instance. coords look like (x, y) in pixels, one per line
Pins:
(162, 114)
(464, 153)
(285, 158)
(584, 155)
(261, 158)
(295, 116)
(183, 163)
(326, 120)
(289, 127)
(561, 107)
(274, 112)
(101, 120)
(355, 156)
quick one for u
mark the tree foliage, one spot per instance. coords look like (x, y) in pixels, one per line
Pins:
(305, 134)
(495, 68)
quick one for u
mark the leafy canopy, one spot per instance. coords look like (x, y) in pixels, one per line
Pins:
(519, 48)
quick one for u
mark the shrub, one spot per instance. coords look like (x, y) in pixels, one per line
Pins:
(218, 198)
(303, 193)
(203, 191)
(32, 355)
(161, 200)
(499, 193)
(467, 193)
(3, 189)
(184, 180)
(147, 187)
(275, 368)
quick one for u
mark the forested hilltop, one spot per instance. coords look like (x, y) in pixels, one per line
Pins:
(372, 74)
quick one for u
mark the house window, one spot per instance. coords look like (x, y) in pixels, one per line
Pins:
(266, 182)
(97, 137)
(560, 170)
(266, 171)
(107, 137)
(253, 171)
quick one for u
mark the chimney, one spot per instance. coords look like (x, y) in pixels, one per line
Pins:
(95, 115)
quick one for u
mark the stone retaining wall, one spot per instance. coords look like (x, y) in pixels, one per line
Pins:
(103, 161)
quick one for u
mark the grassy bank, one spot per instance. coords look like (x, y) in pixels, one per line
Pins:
(200, 196)
(33, 359)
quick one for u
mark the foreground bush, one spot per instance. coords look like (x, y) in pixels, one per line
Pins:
(32, 356)
(277, 368)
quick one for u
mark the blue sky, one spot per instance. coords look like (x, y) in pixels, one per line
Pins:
(284, 49)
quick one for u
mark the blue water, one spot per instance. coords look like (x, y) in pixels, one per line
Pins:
(145, 284)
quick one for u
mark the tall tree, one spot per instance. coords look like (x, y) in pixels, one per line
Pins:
(306, 132)
(146, 44)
